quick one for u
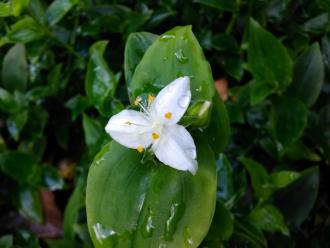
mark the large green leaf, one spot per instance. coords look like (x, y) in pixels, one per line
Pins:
(268, 59)
(57, 10)
(175, 53)
(130, 204)
(308, 76)
(15, 69)
(100, 84)
(136, 46)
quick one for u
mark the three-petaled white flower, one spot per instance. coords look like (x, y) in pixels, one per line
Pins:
(156, 126)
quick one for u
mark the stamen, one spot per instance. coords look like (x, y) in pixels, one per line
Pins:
(128, 123)
(168, 115)
(140, 149)
(151, 98)
(155, 136)
(137, 101)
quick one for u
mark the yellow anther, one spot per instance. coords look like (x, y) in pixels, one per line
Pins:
(140, 149)
(151, 98)
(137, 100)
(155, 136)
(128, 123)
(168, 115)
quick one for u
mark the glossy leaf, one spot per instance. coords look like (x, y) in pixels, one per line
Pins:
(136, 46)
(57, 10)
(297, 199)
(298, 151)
(15, 123)
(93, 130)
(29, 205)
(225, 178)
(175, 53)
(268, 218)
(25, 30)
(288, 120)
(100, 83)
(268, 59)
(308, 76)
(19, 166)
(15, 69)
(281, 179)
(162, 206)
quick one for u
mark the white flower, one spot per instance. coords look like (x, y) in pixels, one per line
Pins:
(156, 126)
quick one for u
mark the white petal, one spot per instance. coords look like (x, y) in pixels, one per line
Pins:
(176, 148)
(173, 99)
(130, 128)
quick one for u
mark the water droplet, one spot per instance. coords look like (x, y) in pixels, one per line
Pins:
(99, 161)
(191, 152)
(103, 233)
(187, 239)
(147, 225)
(176, 213)
(199, 89)
(184, 101)
(167, 37)
(181, 57)
(141, 202)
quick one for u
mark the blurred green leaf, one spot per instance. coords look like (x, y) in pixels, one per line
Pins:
(14, 69)
(6, 241)
(36, 9)
(318, 24)
(37, 120)
(93, 130)
(281, 179)
(288, 120)
(29, 205)
(308, 76)
(245, 233)
(298, 151)
(100, 83)
(227, 5)
(51, 178)
(225, 178)
(25, 30)
(54, 79)
(77, 104)
(15, 123)
(268, 59)
(5, 9)
(8, 103)
(259, 177)
(136, 46)
(19, 166)
(143, 219)
(268, 218)
(58, 9)
(18, 6)
(297, 199)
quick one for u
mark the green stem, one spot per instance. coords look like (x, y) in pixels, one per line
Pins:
(233, 18)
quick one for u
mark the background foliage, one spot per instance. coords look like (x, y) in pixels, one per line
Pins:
(62, 77)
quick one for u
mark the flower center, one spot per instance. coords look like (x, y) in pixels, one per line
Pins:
(140, 149)
(168, 115)
(155, 136)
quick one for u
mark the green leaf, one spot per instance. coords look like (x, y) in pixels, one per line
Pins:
(15, 69)
(77, 104)
(15, 124)
(227, 5)
(288, 120)
(268, 59)
(37, 120)
(259, 177)
(259, 91)
(100, 84)
(19, 166)
(8, 103)
(28, 204)
(175, 53)
(298, 151)
(308, 76)
(225, 178)
(281, 179)
(268, 218)
(6, 241)
(37, 11)
(25, 30)
(93, 130)
(297, 199)
(51, 178)
(58, 9)
(5, 9)
(162, 206)
(318, 24)
(136, 46)
(18, 6)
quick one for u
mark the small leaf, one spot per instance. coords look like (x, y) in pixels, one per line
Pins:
(136, 46)
(15, 124)
(268, 218)
(58, 9)
(19, 166)
(15, 69)
(93, 130)
(225, 178)
(297, 199)
(318, 24)
(298, 151)
(100, 84)
(5, 9)
(8, 103)
(25, 30)
(308, 76)
(288, 120)
(268, 59)
(162, 206)
(51, 178)
(28, 204)
(281, 179)
(18, 6)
